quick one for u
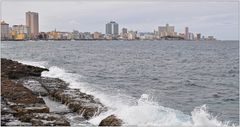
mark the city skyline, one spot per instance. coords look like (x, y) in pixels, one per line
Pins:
(221, 21)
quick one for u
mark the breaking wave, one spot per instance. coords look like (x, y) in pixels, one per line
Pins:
(145, 112)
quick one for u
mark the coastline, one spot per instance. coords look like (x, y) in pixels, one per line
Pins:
(22, 98)
(120, 40)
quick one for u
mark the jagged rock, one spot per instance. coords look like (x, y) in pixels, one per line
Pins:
(17, 93)
(21, 86)
(84, 104)
(5, 109)
(17, 123)
(8, 116)
(111, 120)
(34, 109)
(47, 119)
(14, 70)
(52, 85)
(34, 86)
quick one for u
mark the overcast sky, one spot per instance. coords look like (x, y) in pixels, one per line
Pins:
(207, 17)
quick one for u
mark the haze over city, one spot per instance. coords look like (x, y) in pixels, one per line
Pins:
(219, 19)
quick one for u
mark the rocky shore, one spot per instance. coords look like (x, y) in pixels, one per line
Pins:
(22, 103)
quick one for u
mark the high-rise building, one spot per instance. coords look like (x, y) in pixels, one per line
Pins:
(186, 33)
(4, 31)
(32, 22)
(166, 31)
(112, 28)
(169, 29)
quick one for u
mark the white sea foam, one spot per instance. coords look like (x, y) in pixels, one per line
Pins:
(145, 112)
(33, 63)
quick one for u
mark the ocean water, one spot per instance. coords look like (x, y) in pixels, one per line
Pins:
(176, 83)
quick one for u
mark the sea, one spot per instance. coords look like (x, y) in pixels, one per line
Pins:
(145, 83)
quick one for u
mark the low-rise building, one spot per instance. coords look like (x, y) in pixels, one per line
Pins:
(211, 38)
(75, 35)
(53, 35)
(198, 36)
(124, 34)
(87, 36)
(132, 35)
(97, 35)
(21, 32)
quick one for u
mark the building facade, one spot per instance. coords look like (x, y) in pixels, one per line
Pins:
(32, 22)
(112, 28)
(4, 31)
(124, 30)
(198, 36)
(20, 32)
(97, 35)
(21, 29)
(132, 35)
(166, 31)
(186, 33)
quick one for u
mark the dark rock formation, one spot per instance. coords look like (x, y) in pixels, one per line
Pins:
(21, 91)
(17, 93)
(33, 85)
(111, 120)
(45, 119)
(84, 104)
(18, 102)
(14, 70)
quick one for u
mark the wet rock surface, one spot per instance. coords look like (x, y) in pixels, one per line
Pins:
(14, 70)
(34, 86)
(45, 119)
(84, 104)
(111, 120)
(18, 101)
(22, 102)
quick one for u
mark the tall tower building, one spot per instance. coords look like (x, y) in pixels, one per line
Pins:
(112, 28)
(4, 31)
(186, 33)
(32, 22)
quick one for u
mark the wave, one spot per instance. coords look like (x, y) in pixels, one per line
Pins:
(33, 63)
(145, 112)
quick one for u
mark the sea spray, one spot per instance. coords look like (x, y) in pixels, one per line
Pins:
(145, 113)
(42, 64)
(201, 117)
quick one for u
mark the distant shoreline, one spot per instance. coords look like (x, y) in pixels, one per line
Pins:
(121, 40)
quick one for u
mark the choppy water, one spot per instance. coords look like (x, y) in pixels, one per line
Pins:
(146, 82)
